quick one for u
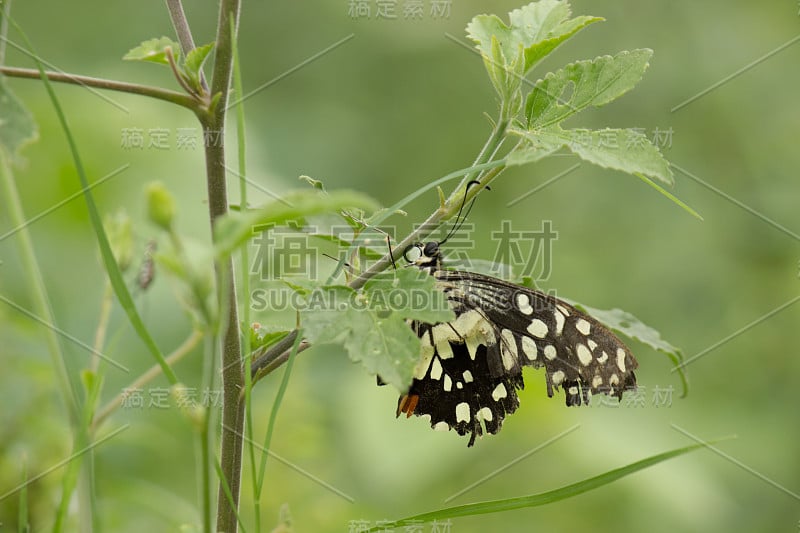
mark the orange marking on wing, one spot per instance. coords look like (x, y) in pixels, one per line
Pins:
(407, 404)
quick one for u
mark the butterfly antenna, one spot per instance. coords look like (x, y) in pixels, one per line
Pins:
(459, 219)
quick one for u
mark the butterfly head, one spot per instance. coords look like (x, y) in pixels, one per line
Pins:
(424, 256)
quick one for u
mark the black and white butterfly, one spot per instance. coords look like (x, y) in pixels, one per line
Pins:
(470, 369)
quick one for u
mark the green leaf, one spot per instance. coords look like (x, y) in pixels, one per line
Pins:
(627, 150)
(17, 127)
(194, 63)
(235, 228)
(154, 51)
(592, 83)
(538, 28)
(544, 498)
(384, 345)
(262, 337)
(632, 327)
(371, 324)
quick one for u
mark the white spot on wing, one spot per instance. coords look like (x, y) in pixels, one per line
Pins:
(550, 352)
(537, 328)
(444, 350)
(613, 380)
(592, 344)
(529, 348)
(462, 412)
(597, 381)
(559, 322)
(621, 359)
(583, 326)
(436, 369)
(524, 303)
(441, 426)
(584, 355)
(448, 383)
(558, 377)
(499, 392)
(603, 358)
(467, 376)
(485, 414)
(472, 346)
(426, 352)
(563, 309)
(573, 390)
(508, 349)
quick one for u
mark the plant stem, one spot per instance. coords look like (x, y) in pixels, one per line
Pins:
(232, 375)
(166, 95)
(182, 30)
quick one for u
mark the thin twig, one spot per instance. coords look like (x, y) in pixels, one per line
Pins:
(153, 372)
(166, 95)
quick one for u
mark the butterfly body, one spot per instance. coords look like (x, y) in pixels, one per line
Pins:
(470, 368)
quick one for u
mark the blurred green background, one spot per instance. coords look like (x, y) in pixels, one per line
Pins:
(386, 112)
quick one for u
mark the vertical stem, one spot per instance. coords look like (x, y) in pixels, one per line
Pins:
(232, 375)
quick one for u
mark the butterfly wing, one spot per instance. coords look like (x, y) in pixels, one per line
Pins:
(501, 327)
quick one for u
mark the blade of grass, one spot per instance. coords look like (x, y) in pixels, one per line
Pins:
(275, 407)
(207, 458)
(112, 268)
(544, 498)
(22, 514)
(27, 256)
(669, 195)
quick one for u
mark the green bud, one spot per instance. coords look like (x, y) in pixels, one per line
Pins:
(160, 205)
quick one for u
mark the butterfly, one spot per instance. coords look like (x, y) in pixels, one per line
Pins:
(470, 369)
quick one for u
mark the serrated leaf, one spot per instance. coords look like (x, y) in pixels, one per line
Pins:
(17, 127)
(549, 25)
(633, 328)
(592, 83)
(196, 58)
(410, 293)
(627, 150)
(154, 51)
(538, 28)
(383, 344)
(234, 229)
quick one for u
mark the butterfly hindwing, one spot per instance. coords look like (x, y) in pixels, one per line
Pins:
(460, 381)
